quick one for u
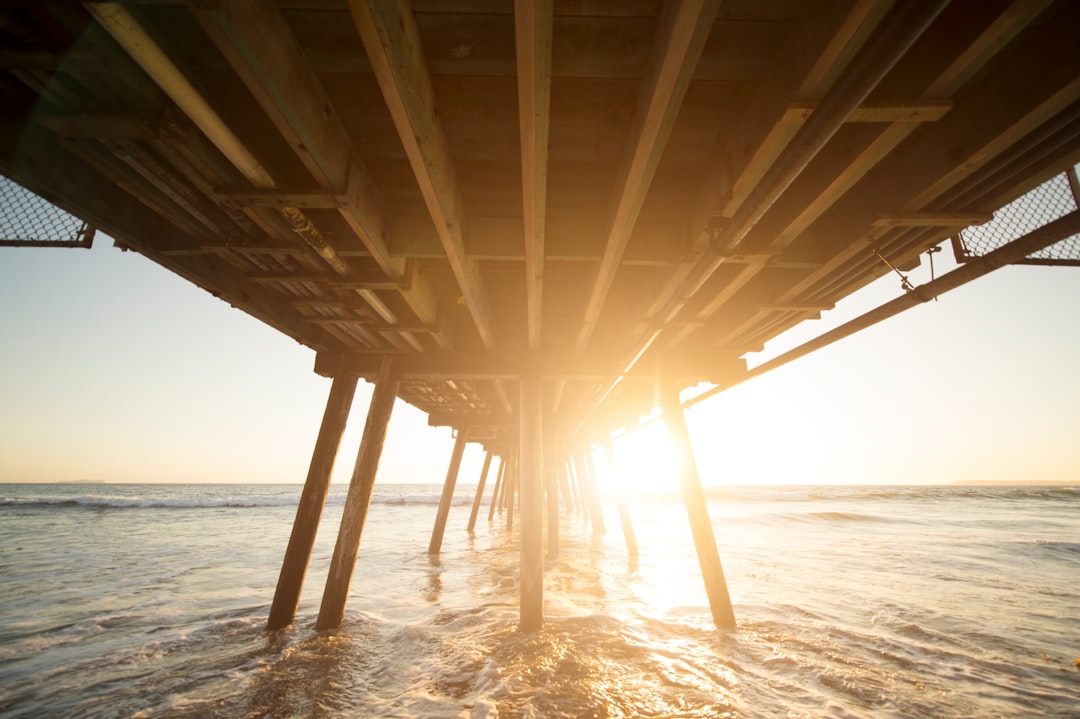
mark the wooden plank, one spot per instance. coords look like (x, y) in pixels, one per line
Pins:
(259, 46)
(358, 499)
(989, 43)
(393, 46)
(309, 510)
(676, 53)
(532, 26)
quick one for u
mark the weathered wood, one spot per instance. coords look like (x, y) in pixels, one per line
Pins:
(435, 545)
(680, 39)
(533, 20)
(358, 499)
(620, 501)
(592, 493)
(551, 486)
(312, 500)
(697, 509)
(496, 495)
(564, 487)
(479, 492)
(531, 473)
(392, 41)
(511, 487)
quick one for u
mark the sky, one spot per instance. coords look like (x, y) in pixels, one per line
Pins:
(114, 369)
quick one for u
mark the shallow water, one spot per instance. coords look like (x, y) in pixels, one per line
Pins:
(149, 600)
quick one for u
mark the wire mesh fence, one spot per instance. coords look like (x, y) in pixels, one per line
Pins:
(27, 220)
(1053, 199)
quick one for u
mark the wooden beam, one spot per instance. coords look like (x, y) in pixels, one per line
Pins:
(533, 20)
(679, 42)
(257, 42)
(392, 42)
(358, 499)
(312, 499)
(507, 366)
(823, 48)
(989, 43)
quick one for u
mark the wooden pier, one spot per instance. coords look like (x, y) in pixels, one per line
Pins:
(536, 220)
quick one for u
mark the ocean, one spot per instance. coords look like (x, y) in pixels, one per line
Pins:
(150, 601)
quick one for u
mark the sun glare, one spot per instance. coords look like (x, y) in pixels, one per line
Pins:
(645, 463)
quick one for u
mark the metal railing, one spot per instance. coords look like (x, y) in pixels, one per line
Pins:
(1054, 198)
(27, 220)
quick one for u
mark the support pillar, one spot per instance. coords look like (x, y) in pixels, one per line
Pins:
(479, 492)
(592, 491)
(563, 470)
(620, 501)
(573, 471)
(551, 482)
(312, 500)
(496, 495)
(511, 487)
(358, 499)
(447, 493)
(531, 478)
(696, 509)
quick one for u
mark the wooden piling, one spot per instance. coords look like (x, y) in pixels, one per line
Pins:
(511, 487)
(531, 482)
(448, 493)
(620, 501)
(697, 509)
(495, 496)
(479, 492)
(564, 485)
(592, 492)
(551, 487)
(573, 472)
(312, 500)
(332, 610)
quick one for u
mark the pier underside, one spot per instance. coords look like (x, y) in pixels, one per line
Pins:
(535, 221)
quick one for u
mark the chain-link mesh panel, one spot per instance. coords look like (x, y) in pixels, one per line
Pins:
(27, 220)
(1046, 203)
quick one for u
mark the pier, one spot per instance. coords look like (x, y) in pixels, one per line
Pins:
(537, 221)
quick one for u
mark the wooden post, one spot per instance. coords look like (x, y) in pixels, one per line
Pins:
(697, 510)
(332, 610)
(551, 482)
(531, 474)
(620, 501)
(448, 492)
(574, 473)
(498, 487)
(511, 487)
(312, 500)
(479, 492)
(592, 491)
(564, 485)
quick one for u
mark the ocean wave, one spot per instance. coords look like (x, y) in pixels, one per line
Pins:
(107, 502)
(91, 501)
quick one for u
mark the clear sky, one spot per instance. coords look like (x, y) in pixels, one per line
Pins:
(112, 368)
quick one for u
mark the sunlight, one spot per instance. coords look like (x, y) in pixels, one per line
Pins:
(739, 437)
(646, 463)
